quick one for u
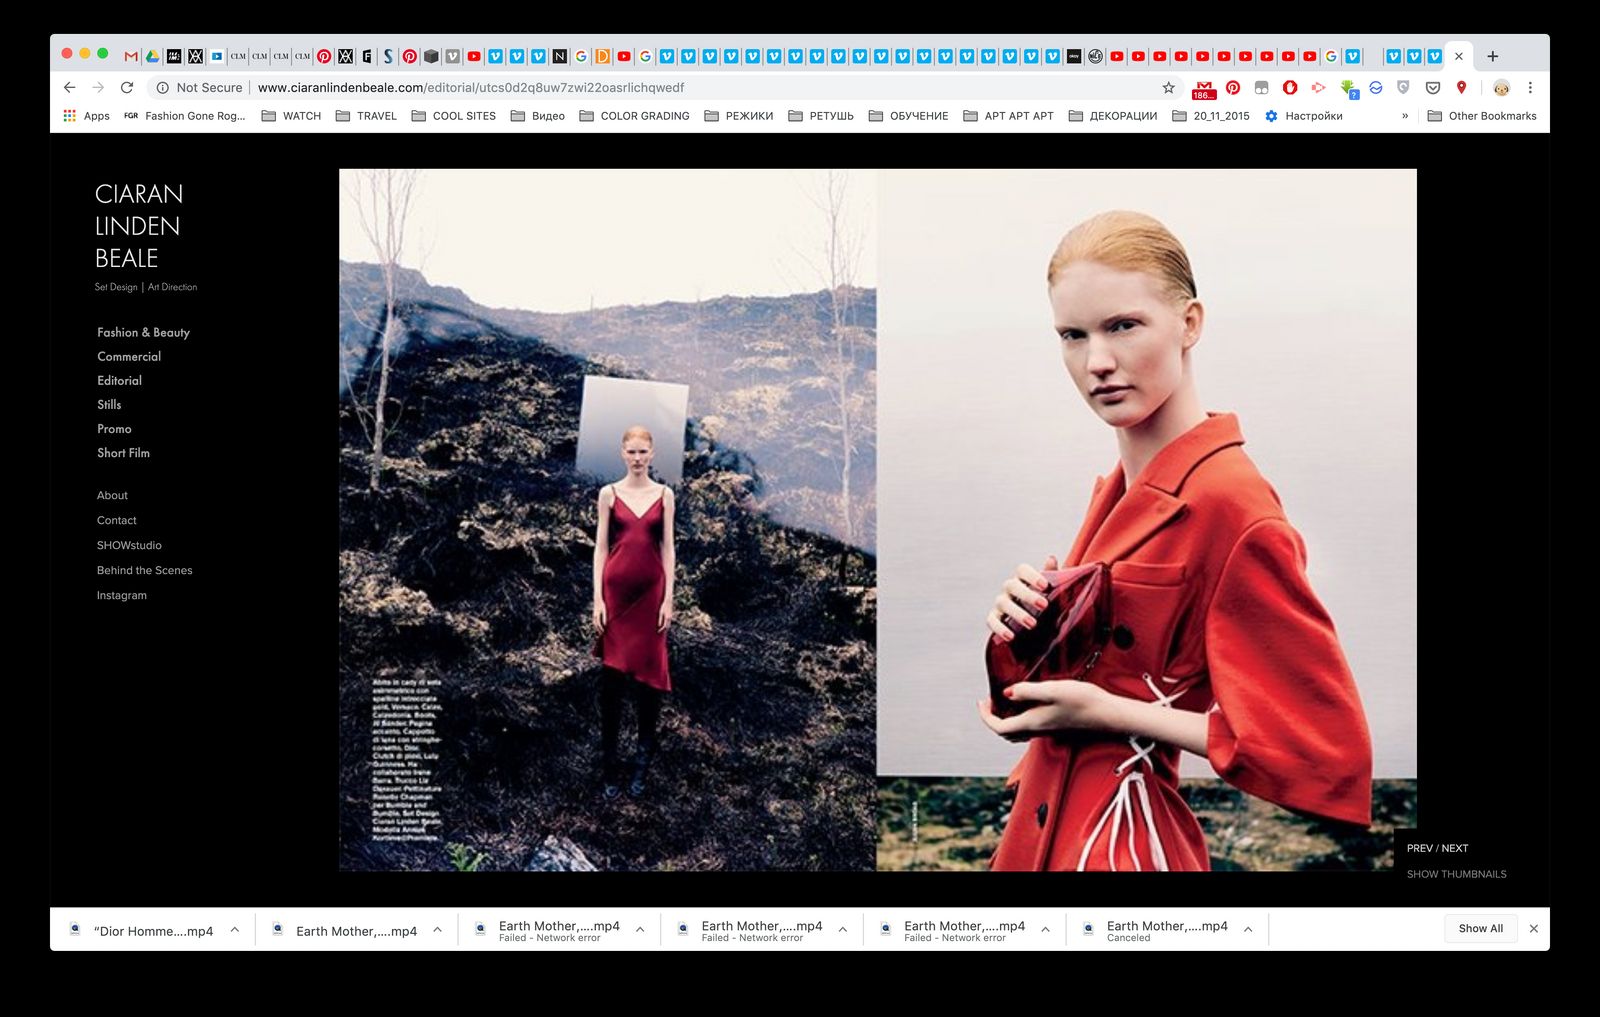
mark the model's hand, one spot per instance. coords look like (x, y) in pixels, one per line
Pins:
(600, 617)
(1021, 597)
(664, 616)
(1054, 706)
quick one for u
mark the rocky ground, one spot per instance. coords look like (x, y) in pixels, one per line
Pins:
(472, 564)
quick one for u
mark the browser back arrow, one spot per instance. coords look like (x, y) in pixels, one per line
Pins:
(68, 86)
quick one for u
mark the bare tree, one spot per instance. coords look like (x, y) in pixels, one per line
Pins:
(843, 242)
(697, 372)
(382, 200)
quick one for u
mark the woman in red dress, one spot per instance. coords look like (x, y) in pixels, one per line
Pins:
(1218, 645)
(633, 567)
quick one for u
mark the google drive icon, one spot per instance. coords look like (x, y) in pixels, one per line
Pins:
(152, 57)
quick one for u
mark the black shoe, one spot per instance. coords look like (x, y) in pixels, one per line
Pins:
(640, 765)
(611, 779)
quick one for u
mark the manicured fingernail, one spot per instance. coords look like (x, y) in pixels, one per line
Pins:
(1041, 602)
(1030, 623)
(1008, 692)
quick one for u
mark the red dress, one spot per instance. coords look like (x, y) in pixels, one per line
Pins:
(1211, 612)
(633, 585)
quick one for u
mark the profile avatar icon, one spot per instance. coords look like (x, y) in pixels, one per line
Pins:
(1502, 87)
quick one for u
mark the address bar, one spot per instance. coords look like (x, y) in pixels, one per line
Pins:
(718, 85)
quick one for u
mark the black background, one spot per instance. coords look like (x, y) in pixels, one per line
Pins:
(193, 737)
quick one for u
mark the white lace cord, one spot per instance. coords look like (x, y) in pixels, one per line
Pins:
(1122, 802)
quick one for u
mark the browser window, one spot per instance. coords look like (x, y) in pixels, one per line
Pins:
(911, 493)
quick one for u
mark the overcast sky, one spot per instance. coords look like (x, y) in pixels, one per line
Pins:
(555, 240)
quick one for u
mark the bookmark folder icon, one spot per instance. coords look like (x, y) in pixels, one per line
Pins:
(795, 116)
(341, 116)
(418, 117)
(875, 116)
(585, 116)
(969, 116)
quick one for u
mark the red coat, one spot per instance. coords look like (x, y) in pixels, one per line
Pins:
(1212, 612)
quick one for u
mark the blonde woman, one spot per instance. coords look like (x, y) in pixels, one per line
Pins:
(1216, 643)
(633, 571)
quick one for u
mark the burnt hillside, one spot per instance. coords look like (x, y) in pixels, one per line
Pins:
(766, 375)
(473, 564)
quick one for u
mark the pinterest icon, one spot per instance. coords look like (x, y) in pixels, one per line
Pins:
(1233, 88)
